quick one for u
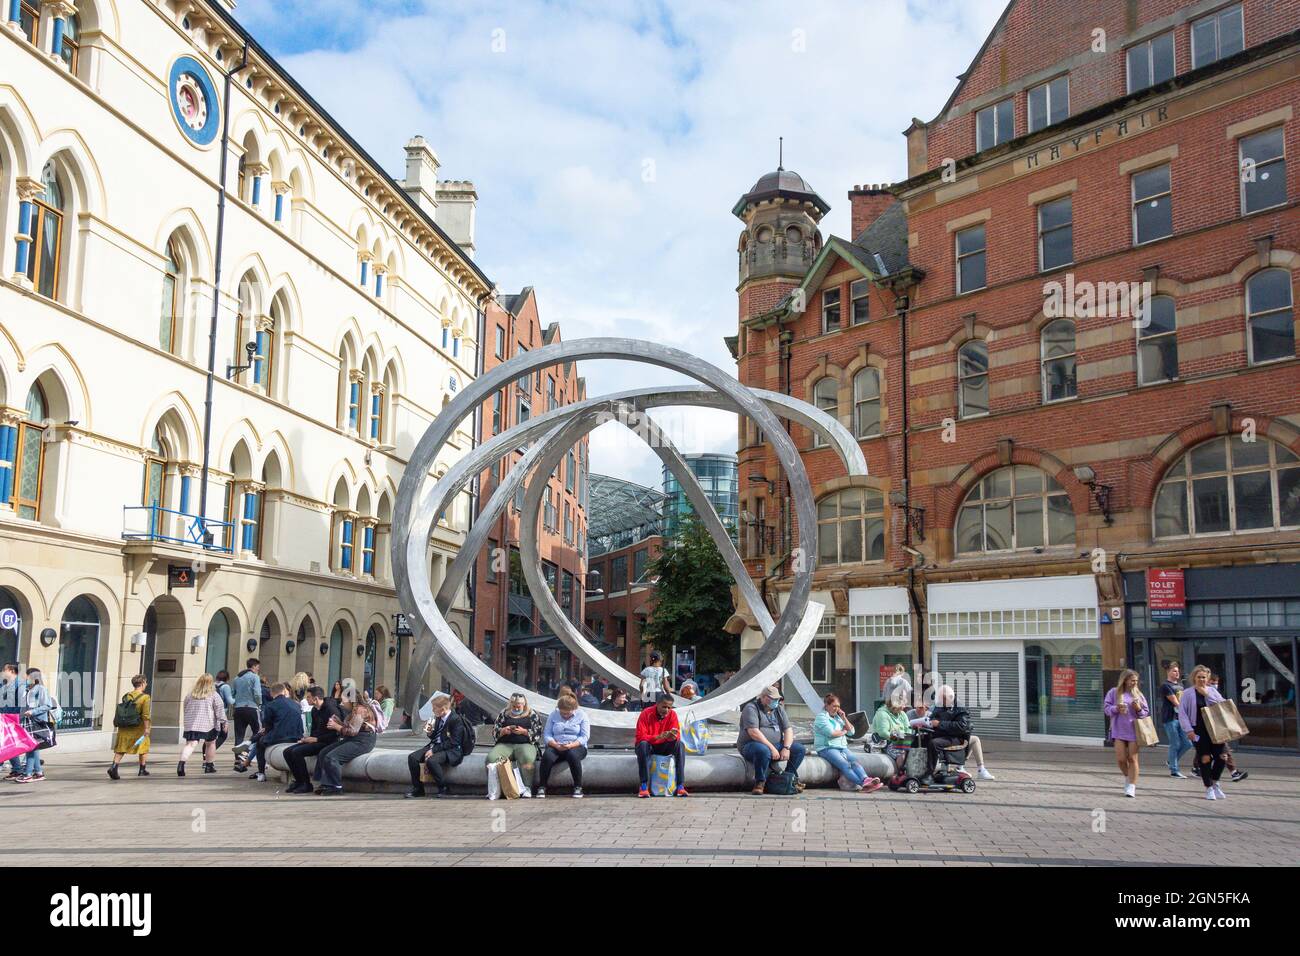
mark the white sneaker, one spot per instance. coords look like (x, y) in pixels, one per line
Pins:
(526, 794)
(983, 774)
(1218, 792)
(1210, 795)
(1130, 790)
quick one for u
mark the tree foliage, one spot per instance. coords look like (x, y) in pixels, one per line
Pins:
(693, 600)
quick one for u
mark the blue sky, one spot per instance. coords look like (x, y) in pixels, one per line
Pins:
(608, 141)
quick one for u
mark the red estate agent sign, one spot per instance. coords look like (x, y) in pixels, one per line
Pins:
(1166, 596)
(1063, 681)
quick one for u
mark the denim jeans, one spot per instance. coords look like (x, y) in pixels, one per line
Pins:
(32, 763)
(842, 760)
(1179, 743)
(761, 757)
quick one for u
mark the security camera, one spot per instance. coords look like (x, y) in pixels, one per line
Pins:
(251, 349)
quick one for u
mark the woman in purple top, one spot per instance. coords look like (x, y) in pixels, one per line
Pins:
(1124, 706)
(1191, 707)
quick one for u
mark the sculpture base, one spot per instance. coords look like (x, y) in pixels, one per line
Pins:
(384, 769)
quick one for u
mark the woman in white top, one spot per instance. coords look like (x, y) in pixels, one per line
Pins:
(654, 679)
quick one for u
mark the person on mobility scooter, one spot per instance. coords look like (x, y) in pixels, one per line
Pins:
(945, 736)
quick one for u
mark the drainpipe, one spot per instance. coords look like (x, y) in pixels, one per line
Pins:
(216, 303)
(902, 297)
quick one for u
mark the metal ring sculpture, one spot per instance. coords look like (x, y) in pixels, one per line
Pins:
(551, 435)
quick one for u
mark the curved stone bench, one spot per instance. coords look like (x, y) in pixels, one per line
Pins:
(721, 769)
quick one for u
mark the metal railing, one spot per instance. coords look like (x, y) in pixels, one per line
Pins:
(156, 523)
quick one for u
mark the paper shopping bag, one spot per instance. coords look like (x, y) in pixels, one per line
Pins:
(1144, 728)
(14, 740)
(508, 780)
(1224, 722)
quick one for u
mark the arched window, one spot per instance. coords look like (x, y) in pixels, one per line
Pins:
(70, 48)
(79, 659)
(29, 463)
(171, 299)
(866, 403)
(851, 527)
(46, 230)
(154, 493)
(973, 379)
(1158, 341)
(1270, 319)
(1228, 486)
(218, 650)
(344, 529)
(338, 637)
(1058, 351)
(826, 396)
(1012, 509)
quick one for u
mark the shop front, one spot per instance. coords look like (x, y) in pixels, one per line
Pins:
(1023, 655)
(1241, 622)
(880, 630)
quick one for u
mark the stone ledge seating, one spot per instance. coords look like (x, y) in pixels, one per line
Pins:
(721, 769)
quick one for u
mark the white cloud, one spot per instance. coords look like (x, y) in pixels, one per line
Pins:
(559, 129)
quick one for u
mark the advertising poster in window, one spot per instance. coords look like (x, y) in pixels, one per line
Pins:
(1166, 594)
(1063, 681)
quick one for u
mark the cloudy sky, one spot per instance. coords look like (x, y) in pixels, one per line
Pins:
(609, 141)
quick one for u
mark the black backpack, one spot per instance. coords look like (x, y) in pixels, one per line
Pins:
(127, 713)
(467, 732)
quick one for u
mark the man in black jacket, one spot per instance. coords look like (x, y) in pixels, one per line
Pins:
(323, 707)
(952, 726)
(950, 723)
(450, 737)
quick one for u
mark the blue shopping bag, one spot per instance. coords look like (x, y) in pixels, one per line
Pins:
(663, 776)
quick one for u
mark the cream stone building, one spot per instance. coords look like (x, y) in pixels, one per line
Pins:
(347, 311)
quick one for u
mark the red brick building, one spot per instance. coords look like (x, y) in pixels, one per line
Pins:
(509, 632)
(1091, 270)
(626, 525)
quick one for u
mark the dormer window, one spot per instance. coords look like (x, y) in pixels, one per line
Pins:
(995, 124)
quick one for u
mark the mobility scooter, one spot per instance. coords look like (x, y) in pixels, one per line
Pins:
(933, 769)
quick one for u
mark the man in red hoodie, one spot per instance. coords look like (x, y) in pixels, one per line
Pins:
(658, 733)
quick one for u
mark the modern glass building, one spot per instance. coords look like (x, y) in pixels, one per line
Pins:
(719, 476)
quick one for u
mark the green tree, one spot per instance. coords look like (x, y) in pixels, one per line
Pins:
(693, 600)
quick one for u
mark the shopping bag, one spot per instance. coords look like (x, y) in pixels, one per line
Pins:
(494, 780)
(14, 740)
(1144, 728)
(509, 783)
(695, 736)
(1223, 721)
(663, 776)
(844, 783)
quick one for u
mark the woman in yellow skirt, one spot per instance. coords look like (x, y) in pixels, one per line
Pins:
(135, 739)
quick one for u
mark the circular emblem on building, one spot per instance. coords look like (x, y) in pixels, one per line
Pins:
(194, 101)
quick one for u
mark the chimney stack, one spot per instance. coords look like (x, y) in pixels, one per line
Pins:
(422, 174)
(866, 204)
(457, 200)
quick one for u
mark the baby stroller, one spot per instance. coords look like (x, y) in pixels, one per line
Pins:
(934, 768)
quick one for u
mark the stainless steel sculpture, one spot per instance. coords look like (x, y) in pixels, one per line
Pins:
(553, 433)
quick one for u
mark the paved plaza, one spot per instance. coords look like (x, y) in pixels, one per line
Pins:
(1050, 805)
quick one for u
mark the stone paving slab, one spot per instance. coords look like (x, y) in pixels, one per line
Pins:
(1050, 805)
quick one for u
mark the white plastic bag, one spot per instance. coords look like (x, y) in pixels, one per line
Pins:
(524, 792)
(493, 782)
